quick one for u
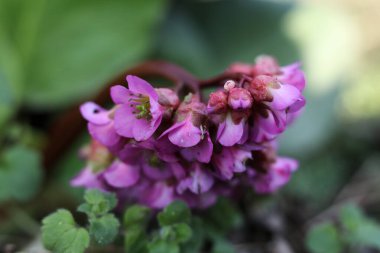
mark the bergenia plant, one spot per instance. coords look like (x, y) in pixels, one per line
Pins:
(155, 146)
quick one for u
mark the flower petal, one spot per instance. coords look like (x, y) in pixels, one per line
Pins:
(105, 134)
(284, 96)
(293, 75)
(186, 135)
(94, 113)
(124, 121)
(140, 86)
(201, 152)
(120, 94)
(121, 175)
(230, 133)
(88, 179)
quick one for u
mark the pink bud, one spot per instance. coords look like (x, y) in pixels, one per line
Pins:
(259, 87)
(229, 85)
(240, 68)
(266, 65)
(217, 102)
(167, 97)
(239, 98)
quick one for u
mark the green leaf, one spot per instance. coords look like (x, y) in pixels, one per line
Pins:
(161, 246)
(135, 239)
(69, 49)
(223, 216)
(104, 229)
(360, 230)
(178, 233)
(60, 233)
(19, 167)
(324, 238)
(351, 216)
(97, 202)
(176, 212)
(182, 232)
(136, 214)
(222, 245)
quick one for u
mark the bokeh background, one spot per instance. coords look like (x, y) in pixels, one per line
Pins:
(56, 54)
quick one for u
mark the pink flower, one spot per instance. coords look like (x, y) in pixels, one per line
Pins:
(199, 180)
(231, 160)
(187, 131)
(138, 114)
(100, 125)
(278, 175)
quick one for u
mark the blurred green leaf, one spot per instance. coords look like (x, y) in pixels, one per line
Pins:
(324, 238)
(176, 212)
(20, 173)
(136, 239)
(97, 202)
(360, 230)
(136, 215)
(206, 36)
(223, 216)
(60, 233)
(104, 229)
(62, 51)
(161, 246)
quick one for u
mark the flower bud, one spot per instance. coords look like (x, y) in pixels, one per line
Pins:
(230, 84)
(217, 102)
(259, 87)
(266, 65)
(167, 97)
(242, 68)
(239, 98)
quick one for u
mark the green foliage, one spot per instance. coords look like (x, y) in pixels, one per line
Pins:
(359, 229)
(355, 230)
(174, 229)
(54, 52)
(104, 229)
(136, 215)
(174, 213)
(324, 238)
(19, 167)
(61, 234)
(97, 203)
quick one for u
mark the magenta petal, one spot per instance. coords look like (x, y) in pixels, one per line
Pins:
(201, 180)
(94, 113)
(293, 75)
(158, 196)
(88, 179)
(121, 175)
(230, 133)
(105, 134)
(186, 135)
(143, 129)
(201, 152)
(284, 97)
(140, 86)
(124, 121)
(120, 94)
(156, 173)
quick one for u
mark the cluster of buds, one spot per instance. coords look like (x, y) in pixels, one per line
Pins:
(154, 147)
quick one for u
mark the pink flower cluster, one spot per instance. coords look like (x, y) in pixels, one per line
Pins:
(154, 147)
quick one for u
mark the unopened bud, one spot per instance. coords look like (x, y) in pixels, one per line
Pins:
(266, 65)
(259, 87)
(239, 98)
(167, 97)
(217, 102)
(230, 84)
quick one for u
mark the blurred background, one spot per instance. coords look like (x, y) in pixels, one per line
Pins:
(56, 54)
